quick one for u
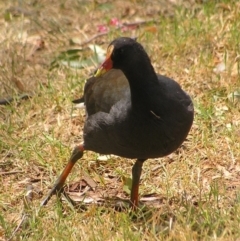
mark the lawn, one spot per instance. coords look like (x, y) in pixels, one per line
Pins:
(47, 51)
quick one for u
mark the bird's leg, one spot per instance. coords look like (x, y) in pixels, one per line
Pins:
(136, 174)
(76, 155)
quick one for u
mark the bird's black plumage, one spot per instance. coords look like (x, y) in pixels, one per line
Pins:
(132, 111)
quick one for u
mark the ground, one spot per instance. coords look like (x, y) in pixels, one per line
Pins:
(45, 58)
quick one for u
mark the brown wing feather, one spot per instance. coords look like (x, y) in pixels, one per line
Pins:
(101, 93)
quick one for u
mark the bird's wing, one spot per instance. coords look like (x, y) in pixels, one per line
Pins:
(101, 93)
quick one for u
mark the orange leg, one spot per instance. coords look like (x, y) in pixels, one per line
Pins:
(76, 155)
(136, 174)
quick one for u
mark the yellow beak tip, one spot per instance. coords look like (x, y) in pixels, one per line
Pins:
(101, 71)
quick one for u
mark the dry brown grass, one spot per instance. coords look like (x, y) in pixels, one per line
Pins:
(197, 187)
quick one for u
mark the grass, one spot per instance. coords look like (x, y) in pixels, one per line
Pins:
(197, 187)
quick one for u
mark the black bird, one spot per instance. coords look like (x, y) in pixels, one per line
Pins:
(131, 111)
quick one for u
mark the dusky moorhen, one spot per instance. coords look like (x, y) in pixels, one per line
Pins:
(131, 112)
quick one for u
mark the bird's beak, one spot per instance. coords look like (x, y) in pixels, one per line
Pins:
(107, 64)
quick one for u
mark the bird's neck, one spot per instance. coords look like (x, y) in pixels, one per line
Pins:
(143, 82)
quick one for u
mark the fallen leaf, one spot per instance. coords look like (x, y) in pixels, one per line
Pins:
(219, 68)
